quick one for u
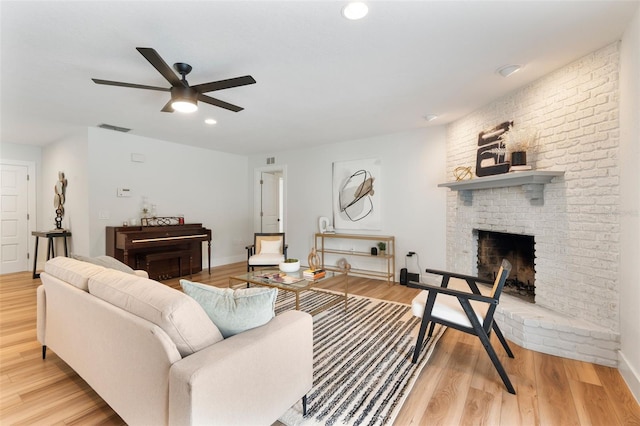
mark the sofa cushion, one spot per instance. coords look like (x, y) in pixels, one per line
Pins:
(105, 261)
(184, 321)
(234, 311)
(73, 271)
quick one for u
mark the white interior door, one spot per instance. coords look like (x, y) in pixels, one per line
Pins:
(14, 224)
(270, 202)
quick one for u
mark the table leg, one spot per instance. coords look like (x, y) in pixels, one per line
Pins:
(297, 300)
(50, 252)
(66, 251)
(35, 260)
(346, 291)
(209, 250)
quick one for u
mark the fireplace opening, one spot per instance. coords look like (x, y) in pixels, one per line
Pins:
(517, 249)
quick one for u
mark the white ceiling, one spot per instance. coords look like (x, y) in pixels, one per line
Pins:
(320, 78)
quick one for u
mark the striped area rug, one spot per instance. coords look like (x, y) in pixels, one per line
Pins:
(362, 370)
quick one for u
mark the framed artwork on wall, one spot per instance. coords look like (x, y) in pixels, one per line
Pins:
(356, 195)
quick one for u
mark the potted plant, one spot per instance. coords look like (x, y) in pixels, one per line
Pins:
(382, 247)
(517, 142)
(289, 265)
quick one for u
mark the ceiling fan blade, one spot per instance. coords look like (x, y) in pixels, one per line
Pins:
(167, 107)
(131, 85)
(158, 63)
(224, 84)
(217, 102)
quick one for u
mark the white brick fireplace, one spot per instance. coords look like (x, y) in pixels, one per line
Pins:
(575, 227)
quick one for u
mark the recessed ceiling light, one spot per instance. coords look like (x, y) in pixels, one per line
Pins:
(355, 10)
(507, 70)
(430, 117)
(210, 121)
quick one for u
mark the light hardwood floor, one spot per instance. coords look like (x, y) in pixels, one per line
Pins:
(459, 385)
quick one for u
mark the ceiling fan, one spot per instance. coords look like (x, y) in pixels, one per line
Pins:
(184, 98)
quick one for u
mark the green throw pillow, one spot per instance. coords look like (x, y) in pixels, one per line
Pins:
(234, 311)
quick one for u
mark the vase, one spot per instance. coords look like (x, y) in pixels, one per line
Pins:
(289, 266)
(518, 158)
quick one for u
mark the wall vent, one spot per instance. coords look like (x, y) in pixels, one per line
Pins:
(112, 127)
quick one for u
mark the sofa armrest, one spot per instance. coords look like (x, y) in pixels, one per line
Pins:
(250, 378)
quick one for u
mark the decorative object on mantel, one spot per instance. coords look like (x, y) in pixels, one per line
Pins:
(162, 221)
(462, 173)
(517, 141)
(60, 190)
(490, 158)
(532, 183)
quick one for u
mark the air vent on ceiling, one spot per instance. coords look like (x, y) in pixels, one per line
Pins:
(112, 127)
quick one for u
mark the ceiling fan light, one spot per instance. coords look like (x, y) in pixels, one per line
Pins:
(184, 105)
(184, 99)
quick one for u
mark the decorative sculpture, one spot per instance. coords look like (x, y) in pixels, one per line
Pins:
(313, 260)
(462, 173)
(344, 265)
(59, 198)
(490, 156)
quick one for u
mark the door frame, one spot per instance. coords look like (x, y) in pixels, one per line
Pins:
(257, 175)
(31, 201)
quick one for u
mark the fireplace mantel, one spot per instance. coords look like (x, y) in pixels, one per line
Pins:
(532, 183)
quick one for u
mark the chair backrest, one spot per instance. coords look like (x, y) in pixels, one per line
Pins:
(269, 238)
(501, 279)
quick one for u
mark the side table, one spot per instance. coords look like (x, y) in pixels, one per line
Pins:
(50, 235)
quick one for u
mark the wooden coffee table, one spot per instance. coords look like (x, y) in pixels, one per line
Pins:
(264, 278)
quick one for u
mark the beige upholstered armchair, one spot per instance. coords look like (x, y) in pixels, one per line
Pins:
(268, 249)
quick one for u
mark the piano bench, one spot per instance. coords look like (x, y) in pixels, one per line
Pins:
(167, 255)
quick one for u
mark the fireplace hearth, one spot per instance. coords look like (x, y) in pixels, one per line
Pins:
(517, 249)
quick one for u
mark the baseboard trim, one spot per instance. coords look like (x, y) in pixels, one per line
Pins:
(630, 376)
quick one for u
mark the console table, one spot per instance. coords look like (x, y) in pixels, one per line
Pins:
(389, 258)
(50, 235)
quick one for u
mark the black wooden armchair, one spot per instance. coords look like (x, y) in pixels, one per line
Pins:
(469, 312)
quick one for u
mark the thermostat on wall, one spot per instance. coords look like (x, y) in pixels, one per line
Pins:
(124, 192)
(137, 158)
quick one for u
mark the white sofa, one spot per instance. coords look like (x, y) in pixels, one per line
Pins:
(153, 354)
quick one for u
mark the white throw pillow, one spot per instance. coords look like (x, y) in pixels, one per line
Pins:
(270, 247)
(234, 311)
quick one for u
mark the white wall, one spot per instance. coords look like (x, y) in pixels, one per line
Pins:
(68, 156)
(205, 186)
(630, 205)
(413, 207)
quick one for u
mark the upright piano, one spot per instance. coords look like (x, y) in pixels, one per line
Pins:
(131, 244)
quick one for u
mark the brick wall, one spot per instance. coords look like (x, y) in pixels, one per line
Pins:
(576, 229)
